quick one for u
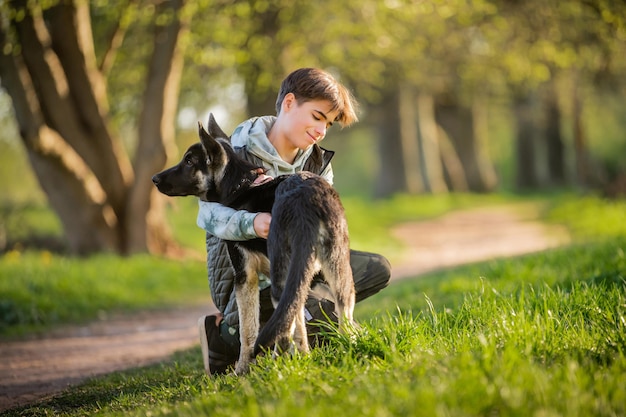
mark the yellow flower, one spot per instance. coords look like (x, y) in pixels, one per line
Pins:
(46, 257)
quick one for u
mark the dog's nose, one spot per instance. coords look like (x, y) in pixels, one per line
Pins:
(156, 179)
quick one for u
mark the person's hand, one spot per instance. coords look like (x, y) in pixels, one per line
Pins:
(261, 178)
(262, 224)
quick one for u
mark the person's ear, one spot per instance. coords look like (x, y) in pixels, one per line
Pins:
(288, 101)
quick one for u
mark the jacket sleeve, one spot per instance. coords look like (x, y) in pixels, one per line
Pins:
(226, 223)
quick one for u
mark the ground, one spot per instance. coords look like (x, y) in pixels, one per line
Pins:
(31, 370)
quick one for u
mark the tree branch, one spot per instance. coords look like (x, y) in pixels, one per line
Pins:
(116, 38)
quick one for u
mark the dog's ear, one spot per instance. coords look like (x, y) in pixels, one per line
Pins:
(211, 145)
(215, 130)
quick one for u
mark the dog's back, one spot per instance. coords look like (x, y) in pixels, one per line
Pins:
(309, 234)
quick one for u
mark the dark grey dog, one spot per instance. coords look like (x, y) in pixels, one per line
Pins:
(308, 235)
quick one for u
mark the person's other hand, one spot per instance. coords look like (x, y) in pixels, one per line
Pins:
(261, 178)
(262, 224)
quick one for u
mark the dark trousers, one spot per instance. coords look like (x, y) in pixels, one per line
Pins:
(371, 273)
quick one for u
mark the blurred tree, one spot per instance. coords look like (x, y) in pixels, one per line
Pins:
(406, 55)
(394, 158)
(555, 148)
(262, 68)
(524, 110)
(425, 71)
(540, 43)
(425, 44)
(105, 201)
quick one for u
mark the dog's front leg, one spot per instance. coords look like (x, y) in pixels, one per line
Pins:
(247, 294)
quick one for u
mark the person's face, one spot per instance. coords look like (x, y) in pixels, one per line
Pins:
(306, 123)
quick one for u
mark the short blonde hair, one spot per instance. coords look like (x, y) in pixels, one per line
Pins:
(308, 84)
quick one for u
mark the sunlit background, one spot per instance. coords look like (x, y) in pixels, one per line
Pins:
(456, 96)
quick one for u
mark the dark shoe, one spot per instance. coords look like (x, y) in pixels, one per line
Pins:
(218, 356)
(320, 319)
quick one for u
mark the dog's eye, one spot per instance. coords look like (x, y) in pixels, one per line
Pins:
(189, 162)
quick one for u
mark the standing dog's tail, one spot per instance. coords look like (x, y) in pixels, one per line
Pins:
(298, 275)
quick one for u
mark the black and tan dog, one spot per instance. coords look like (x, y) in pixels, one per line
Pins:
(308, 235)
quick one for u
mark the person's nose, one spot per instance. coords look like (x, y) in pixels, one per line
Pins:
(320, 131)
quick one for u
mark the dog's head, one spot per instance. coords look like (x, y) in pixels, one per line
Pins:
(207, 169)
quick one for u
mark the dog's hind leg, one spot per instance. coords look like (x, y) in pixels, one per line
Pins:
(299, 333)
(278, 271)
(292, 273)
(338, 274)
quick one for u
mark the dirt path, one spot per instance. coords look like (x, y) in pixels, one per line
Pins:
(35, 369)
(472, 236)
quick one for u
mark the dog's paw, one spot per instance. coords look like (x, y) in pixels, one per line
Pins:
(242, 368)
(351, 329)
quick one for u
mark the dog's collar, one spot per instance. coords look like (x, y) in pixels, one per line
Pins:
(244, 181)
(258, 177)
(251, 180)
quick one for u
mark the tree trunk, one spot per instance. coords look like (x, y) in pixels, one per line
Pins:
(60, 104)
(480, 118)
(523, 109)
(453, 168)
(429, 140)
(391, 177)
(554, 140)
(580, 145)
(409, 139)
(144, 226)
(72, 192)
(459, 124)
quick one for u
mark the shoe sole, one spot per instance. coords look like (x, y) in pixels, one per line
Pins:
(204, 344)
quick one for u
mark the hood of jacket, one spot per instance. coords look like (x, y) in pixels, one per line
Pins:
(253, 135)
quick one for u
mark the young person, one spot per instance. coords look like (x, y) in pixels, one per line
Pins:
(309, 102)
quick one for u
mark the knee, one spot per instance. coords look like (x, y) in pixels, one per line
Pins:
(381, 268)
(373, 277)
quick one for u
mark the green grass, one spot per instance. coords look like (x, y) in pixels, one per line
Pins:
(589, 217)
(538, 335)
(542, 334)
(40, 290)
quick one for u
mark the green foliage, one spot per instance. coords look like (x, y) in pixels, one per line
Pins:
(27, 221)
(20, 185)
